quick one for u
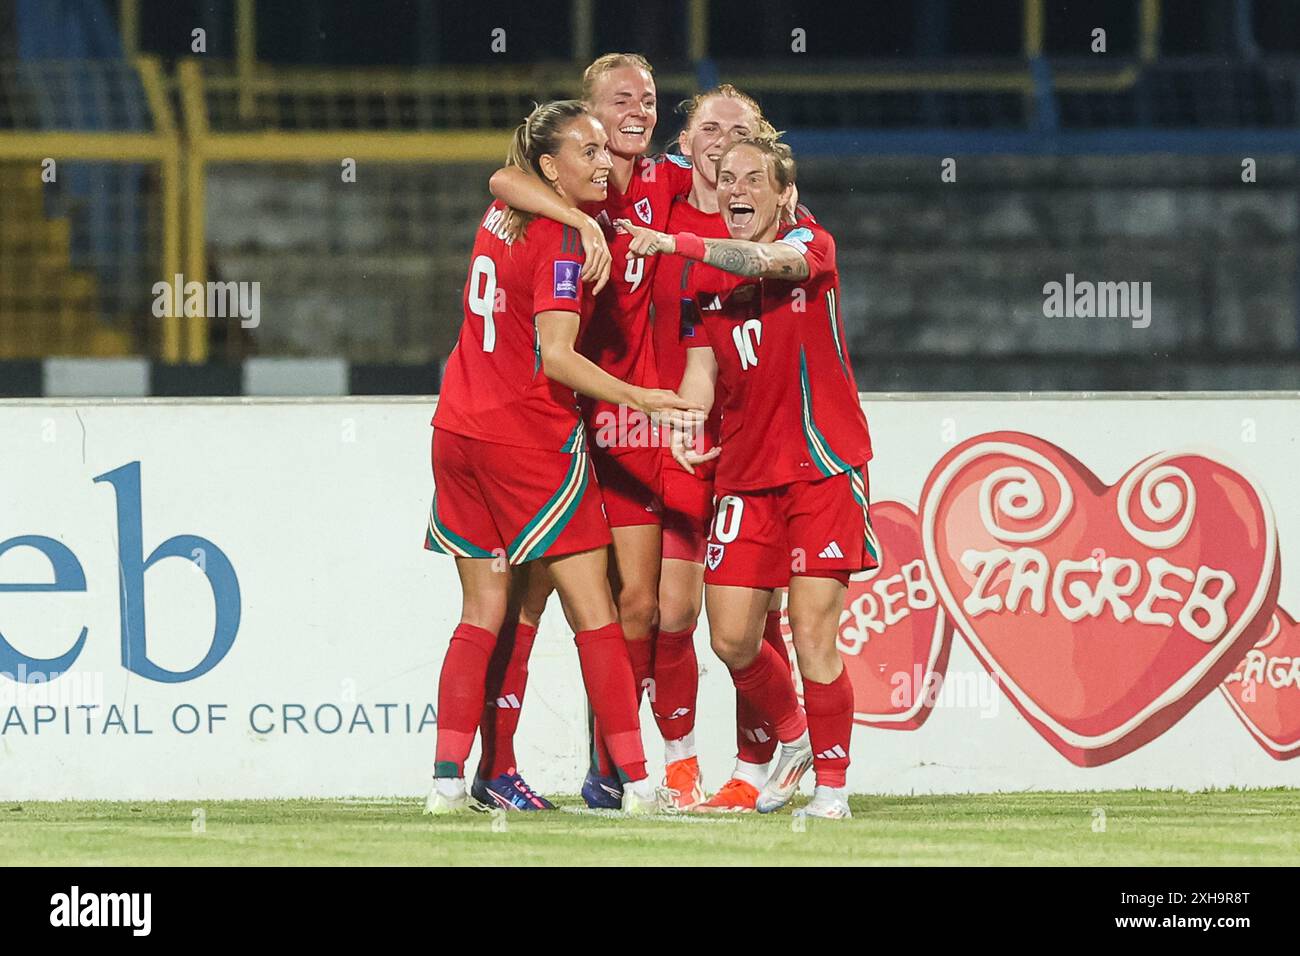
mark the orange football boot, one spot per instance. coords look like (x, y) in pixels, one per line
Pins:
(682, 784)
(735, 796)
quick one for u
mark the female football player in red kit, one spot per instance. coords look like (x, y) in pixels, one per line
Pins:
(791, 479)
(714, 120)
(513, 478)
(626, 448)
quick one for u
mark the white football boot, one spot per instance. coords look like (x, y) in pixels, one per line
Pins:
(640, 799)
(447, 796)
(828, 803)
(793, 760)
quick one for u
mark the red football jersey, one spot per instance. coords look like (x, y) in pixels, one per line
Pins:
(494, 388)
(791, 411)
(676, 324)
(618, 337)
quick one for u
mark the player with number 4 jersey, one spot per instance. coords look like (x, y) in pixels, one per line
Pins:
(626, 449)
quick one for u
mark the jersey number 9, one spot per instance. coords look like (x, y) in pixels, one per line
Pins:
(484, 272)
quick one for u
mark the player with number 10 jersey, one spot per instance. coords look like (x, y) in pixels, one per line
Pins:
(791, 477)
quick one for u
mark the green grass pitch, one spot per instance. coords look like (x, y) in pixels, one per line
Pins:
(1227, 828)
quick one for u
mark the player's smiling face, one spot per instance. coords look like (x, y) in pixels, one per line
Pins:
(623, 99)
(749, 196)
(718, 122)
(579, 169)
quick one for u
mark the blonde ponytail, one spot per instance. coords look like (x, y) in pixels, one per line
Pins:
(537, 136)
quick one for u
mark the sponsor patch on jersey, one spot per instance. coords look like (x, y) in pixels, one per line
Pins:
(643, 210)
(713, 556)
(566, 279)
(798, 238)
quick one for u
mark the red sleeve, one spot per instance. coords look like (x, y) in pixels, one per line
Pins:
(677, 174)
(557, 266)
(816, 245)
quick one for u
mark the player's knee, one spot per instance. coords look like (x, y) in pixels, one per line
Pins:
(485, 611)
(814, 648)
(638, 609)
(678, 614)
(733, 648)
(811, 625)
(531, 614)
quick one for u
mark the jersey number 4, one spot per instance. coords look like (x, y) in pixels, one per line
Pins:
(747, 337)
(634, 273)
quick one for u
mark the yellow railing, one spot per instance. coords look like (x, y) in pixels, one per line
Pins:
(162, 146)
(204, 146)
(184, 153)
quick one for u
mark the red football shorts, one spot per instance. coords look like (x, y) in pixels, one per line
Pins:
(759, 538)
(493, 500)
(687, 510)
(630, 483)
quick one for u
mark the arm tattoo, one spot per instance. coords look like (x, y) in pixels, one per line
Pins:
(738, 257)
(743, 258)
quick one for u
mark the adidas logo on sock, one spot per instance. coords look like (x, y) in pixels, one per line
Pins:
(508, 702)
(835, 753)
(757, 736)
(679, 712)
(831, 550)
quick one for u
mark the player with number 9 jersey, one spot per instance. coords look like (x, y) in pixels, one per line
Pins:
(512, 475)
(532, 492)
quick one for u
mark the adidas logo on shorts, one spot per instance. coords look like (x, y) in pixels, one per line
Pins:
(831, 550)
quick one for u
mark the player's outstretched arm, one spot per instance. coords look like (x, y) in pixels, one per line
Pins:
(700, 378)
(522, 190)
(758, 260)
(697, 385)
(765, 260)
(557, 333)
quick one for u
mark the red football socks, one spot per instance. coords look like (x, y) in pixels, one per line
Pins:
(755, 741)
(677, 683)
(460, 697)
(611, 688)
(830, 725)
(507, 678)
(641, 654)
(767, 686)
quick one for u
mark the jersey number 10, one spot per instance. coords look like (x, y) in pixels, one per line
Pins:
(747, 337)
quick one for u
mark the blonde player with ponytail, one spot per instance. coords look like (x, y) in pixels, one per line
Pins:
(512, 475)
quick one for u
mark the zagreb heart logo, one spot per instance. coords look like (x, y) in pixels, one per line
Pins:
(1264, 690)
(894, 636)
(1104, 612)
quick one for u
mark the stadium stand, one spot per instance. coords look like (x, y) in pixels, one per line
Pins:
(225, 165)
